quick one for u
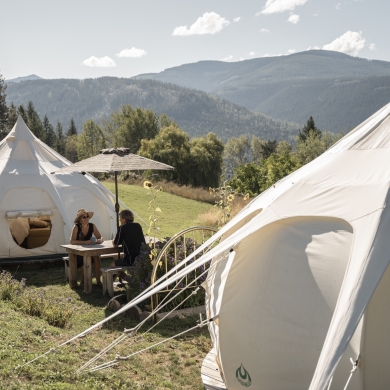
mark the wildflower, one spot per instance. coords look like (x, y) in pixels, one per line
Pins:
(230, 198)
(147, 184)
(246, 197)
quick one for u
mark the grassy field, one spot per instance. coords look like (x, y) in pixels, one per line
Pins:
(177, 213)
(174, 365)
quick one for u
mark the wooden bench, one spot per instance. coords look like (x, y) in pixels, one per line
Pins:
(108, 278)
(107, 256)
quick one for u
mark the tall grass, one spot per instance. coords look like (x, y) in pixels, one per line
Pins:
(194, 193)
(213, 216)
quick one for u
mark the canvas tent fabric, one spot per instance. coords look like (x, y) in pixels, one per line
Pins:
(307, 285)
(27, 186)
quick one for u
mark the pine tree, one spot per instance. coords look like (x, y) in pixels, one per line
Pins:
(50, 136)
(71, 129)
(12, 116)
(22, 112)
(34, 122)
(60, 141)
(310, 127)
(3, 109)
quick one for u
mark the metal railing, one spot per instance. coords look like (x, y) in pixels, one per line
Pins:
(174, 251)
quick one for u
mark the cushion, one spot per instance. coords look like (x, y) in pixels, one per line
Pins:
(19, 229)
(37, 223)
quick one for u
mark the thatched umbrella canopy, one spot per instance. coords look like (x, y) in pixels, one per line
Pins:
(114, 160)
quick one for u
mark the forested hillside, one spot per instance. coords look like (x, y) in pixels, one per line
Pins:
(340, 91)
(196, 112)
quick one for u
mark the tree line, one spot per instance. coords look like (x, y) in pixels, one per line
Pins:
(250, 165)
(254, 166)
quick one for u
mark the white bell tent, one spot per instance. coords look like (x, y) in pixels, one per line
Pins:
(28, 191)
(299, 283)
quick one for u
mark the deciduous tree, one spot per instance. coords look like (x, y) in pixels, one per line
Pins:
(90, 141)
(127, 127)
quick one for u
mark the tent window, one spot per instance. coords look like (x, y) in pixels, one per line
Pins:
(30, 229)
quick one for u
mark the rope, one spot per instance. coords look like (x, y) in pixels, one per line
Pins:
(118, 357)
(117, 341)
(162, 279)
(354, 368)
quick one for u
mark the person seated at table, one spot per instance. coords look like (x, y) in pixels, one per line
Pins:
(82, 235)
(131, 236)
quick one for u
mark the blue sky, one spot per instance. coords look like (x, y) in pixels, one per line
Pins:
(84, 38)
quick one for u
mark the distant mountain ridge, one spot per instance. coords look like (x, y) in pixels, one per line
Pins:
(196, 112)
(338, 90)
(24, 78)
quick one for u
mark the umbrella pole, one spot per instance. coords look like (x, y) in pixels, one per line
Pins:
(116, 200)
(117, 209)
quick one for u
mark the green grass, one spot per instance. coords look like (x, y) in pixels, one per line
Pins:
(174, 365)
(177, 213)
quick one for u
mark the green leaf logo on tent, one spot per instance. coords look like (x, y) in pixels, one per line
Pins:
(243, 376)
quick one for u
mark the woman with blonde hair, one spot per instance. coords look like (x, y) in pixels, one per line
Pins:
(82, 235)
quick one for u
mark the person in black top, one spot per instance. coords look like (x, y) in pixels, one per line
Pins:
(82, 235)
(131, 236)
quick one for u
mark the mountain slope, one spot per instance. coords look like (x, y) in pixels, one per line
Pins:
(24, 78)
(340, 91)
(196, 112)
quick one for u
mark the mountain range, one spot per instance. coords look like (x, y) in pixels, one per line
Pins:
(228, 98)
(338, 90)
(197, 112)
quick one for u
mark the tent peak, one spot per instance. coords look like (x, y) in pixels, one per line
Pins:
(117, 151)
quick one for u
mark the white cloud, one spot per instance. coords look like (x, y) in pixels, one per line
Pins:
(237, 19)
(252, 53)
(350, 43)
(313, 48)
(264, 30)
(209, 23)
(103, 62)
(338, 6)
(294, 19)
(315, 14)
(228, 58)
(272, 55)
(132, 53)
(242, 58)
(291, 51)
(372, 46)
(275, 6)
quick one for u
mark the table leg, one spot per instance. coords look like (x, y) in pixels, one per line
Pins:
(72, 270)
(87, 274)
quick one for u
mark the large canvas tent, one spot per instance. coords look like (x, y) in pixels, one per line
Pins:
(28, 192)
(305, 286)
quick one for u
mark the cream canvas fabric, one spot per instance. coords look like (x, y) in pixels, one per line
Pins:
(26, 184)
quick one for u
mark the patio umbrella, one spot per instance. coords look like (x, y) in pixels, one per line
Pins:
(115, 160)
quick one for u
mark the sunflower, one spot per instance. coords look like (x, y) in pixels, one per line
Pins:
(230, 198)
(147, 184)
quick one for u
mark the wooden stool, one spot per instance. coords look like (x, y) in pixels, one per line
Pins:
(108, 278)
(66, 269)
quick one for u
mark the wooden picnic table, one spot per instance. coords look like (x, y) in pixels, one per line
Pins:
(87, 251)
